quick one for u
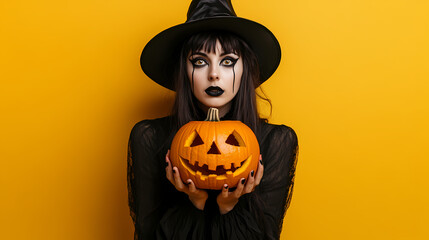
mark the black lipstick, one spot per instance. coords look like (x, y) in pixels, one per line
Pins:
(214, 91)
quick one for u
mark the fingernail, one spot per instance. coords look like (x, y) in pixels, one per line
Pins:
(251, 173)
(243, 180)
(226, 187)
(187, 183)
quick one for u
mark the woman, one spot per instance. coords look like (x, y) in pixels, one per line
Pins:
(214, 59)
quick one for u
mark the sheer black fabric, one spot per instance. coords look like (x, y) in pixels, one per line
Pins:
(159, 211)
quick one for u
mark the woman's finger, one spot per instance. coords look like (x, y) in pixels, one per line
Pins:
(239, 188)
(259, 172)
(249, 183)
(191, 186)
(225, 191)
(177, 180)
(168, 171)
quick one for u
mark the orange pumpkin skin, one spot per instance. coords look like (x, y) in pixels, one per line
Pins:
(212, 153)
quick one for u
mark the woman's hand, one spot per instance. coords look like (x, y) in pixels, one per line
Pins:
(198, 197)
(227, 200)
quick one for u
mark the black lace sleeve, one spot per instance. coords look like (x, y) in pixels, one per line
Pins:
(279, 153)
(142, 176)
(158, 211)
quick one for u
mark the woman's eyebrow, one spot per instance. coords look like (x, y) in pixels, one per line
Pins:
(205, 55)
(227, 53)
(199, 53)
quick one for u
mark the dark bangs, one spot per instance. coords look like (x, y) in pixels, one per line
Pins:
(206, 41)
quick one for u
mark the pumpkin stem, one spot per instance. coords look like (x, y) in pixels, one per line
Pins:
(213, 115)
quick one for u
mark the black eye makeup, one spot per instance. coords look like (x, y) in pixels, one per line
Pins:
(229, 61)
(198, 62)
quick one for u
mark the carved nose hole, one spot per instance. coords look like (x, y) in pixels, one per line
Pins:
(213, 149)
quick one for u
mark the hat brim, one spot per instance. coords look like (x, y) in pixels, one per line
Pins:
(158, 53)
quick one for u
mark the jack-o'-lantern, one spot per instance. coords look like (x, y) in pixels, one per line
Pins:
(213, 152)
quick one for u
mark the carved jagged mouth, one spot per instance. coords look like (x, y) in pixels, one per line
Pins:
(220, 172)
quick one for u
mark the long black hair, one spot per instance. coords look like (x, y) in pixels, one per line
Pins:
(243, 105)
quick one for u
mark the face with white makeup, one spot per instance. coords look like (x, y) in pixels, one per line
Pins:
(215, 77)
(215, 69)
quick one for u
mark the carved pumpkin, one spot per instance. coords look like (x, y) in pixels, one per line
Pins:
(212, 152)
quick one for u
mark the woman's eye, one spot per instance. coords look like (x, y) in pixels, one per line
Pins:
(229, 62)
(198, 62)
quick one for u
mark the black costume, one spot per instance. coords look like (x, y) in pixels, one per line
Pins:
(159, 211)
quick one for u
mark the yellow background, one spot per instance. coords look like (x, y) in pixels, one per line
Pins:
(353, 83)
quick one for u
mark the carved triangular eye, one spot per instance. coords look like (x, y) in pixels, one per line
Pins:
(231, 140)
(197, 141)
(235, 139)
(194, 140)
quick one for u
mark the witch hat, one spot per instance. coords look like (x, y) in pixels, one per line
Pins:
(209, 15)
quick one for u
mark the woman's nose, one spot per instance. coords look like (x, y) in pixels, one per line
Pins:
(213, 74)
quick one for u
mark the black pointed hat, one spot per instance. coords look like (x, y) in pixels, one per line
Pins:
(208, 15)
